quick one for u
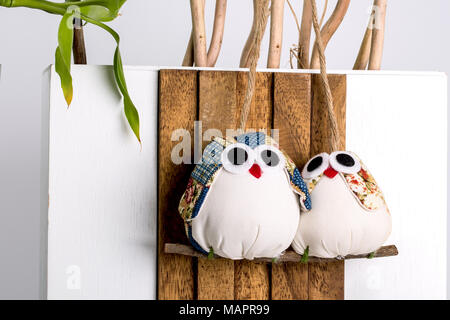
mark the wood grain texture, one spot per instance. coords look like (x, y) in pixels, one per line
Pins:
(178, 109)
(217, 110)
(215, 279)
(327, 281)
(221, 96)
(252, 280)
(292, 117)
(320, 128)
(290, 281)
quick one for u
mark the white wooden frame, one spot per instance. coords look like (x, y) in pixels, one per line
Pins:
(102, 206)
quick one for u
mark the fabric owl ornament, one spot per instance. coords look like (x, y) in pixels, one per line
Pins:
(242, 200)
(349, 214)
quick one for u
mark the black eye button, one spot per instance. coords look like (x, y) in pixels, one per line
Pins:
(314, 164)
(237, 156)
(345, 160)
(270, 158)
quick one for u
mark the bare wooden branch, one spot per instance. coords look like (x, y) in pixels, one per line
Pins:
(329, 29)
(251, 40)
(325, 7)
(376, 51)
(217, 35)
(305, 36)
(79, 46)
(198, 28)
(188, 60)
(288, 256)
(276, 33)
(364, 51)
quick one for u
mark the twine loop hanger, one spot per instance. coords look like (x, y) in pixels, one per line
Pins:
(262, 13)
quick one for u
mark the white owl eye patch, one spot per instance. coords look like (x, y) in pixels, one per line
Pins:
(316, 166)
(269, 158)
(340, 161)
(345, 162)
(237, 158)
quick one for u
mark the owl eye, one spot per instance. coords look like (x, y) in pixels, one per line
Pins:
(237, 158)
(269, 158)
(344, 162)
(316, 166)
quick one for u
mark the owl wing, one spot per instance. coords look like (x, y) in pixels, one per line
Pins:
(365, 188)
(201, 179)
(298, 185)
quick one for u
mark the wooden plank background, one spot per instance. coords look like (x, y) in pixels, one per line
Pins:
(292, 103)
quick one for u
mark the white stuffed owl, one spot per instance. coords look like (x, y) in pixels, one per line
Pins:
(349, 214)
(242, 200)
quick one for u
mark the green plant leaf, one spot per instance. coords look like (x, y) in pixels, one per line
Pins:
(63, 55)
(130, 110)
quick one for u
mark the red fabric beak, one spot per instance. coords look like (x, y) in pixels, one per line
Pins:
(255, 171)
(330, 172)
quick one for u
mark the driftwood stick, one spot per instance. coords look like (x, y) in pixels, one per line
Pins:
(217, 35)
(251, 40)
(276, 33)
(188, 60)
(79, 46)
(244, 63)
(325, 7)
(198, 27)
(329, 29)
(305, 36)
(376, 51)
(364, 51)
(288, 256)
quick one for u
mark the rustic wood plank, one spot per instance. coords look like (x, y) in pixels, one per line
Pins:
(326, 281)
(320, 129)
(178, 109)
(252, 280)
(215, 279)
(292, 117)
(217, 110)
(287, 257)
(290, 281)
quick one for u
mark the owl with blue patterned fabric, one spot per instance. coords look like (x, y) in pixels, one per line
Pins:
(242, 200)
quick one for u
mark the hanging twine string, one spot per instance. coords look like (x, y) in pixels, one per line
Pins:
(334, 137)
(262, 13)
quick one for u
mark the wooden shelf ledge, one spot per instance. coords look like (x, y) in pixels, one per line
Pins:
(288, 256)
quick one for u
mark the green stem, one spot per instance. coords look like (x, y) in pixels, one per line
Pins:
(51, 7)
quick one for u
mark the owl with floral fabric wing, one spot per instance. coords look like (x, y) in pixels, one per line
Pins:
(350, 215)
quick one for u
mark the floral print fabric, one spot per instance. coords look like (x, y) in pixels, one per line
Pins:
(365, 188)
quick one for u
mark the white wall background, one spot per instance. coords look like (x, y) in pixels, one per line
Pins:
(156, 33)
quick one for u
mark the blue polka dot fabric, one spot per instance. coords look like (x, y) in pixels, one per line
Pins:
(298, 181)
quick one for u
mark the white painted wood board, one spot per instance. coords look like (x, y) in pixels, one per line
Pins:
(102, 188)
(397, 124)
